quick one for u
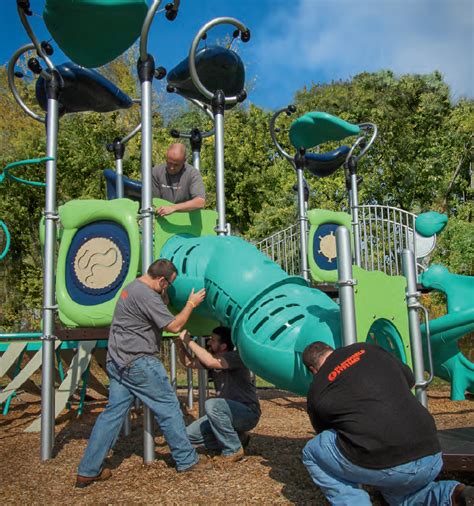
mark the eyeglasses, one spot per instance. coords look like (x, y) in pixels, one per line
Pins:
(167, 280)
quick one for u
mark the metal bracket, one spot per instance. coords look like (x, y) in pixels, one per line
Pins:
(48, 338)
(347, 282)
(51, 215)
(148, 211)
(54, 307)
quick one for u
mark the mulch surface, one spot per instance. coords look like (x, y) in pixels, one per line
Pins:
(271, 472)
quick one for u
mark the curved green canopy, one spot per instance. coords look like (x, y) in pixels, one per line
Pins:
(94, 32)
(314, 128)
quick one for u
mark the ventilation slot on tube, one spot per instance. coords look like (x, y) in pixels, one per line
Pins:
(260, 324)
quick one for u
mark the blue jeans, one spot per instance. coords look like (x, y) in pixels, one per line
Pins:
(218, 429)
(145, 379)
(407, 484)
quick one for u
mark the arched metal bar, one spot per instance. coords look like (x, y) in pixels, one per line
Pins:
(192, 55)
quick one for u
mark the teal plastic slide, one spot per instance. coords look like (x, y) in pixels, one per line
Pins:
(273, 316)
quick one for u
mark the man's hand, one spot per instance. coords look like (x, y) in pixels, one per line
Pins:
(165, 210)
(196, 298)
(185, 337)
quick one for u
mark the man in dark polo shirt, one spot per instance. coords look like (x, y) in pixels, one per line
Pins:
(235, 409)
(178, 182)
(134, 370)
(372, 430)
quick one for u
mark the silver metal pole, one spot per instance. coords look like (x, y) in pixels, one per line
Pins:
(202, 384)
(47, 373)
(354, 196)
(221, 228)
(412, 294)
(189, 378)
(303, 224)
(346, 286)
(119, 180)
(147, 237)
(174, 381)
(127, 424)
(196, 160)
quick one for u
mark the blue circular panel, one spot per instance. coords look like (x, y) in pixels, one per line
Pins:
(97, 262)
(324, 246)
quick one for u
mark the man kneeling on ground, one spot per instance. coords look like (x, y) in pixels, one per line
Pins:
(235, 409)
(372, 431)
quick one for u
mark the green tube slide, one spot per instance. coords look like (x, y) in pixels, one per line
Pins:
(273, 316)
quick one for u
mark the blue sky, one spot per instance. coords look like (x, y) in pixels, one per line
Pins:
(300, 42)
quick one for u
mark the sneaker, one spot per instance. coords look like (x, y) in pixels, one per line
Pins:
(85, 481)
(463, 495)
(202, 464)
(233, 457)
(244, 439)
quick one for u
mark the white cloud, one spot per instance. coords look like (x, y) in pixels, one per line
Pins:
(321, 40)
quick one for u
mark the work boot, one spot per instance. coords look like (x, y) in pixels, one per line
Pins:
(233, 457)
(203, 464)
(463, 495)
(85, 481)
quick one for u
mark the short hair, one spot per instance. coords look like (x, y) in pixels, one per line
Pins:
(313, 352)
(223, 333)
(161, 268)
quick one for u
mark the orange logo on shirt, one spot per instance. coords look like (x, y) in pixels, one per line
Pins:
(353, 359)
(124, 294)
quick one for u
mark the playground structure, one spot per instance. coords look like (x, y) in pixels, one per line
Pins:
(273, 315)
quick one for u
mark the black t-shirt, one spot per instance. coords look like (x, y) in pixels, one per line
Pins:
(364, 394)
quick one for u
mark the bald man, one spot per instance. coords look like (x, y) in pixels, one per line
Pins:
(178, 182)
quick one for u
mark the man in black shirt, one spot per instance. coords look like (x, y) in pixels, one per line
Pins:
(235, 409)
(371, 430)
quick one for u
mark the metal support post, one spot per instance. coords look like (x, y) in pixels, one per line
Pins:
(119, 180)
(218, 103)
(354, 204)
(189, 378)
(49, 307)
(409, 271)
(202, 384)
(127, 424)
(174, 381)
(146, 70)
(303, 222)
(346, 286)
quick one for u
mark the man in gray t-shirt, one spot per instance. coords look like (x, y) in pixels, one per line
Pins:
(135, 371)
(235, 409)
(178, 182)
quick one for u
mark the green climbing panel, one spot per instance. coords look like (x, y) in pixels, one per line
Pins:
(381, 312)
(195, 224)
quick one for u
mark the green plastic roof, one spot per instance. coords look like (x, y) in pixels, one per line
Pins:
(94, 32)
(314, 128)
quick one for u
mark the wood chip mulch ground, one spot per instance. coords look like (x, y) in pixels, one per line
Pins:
(271, 472)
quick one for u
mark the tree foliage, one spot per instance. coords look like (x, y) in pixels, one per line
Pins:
(419, 162)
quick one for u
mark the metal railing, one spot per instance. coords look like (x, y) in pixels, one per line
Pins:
(284, 249)
(385, 232)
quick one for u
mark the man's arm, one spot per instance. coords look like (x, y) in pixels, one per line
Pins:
(208, 360)
(190, 205)
(182, 317)
(185, 357)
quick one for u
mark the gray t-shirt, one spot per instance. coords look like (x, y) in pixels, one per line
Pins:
(139, 318)
(234, 383)
(176, 188)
